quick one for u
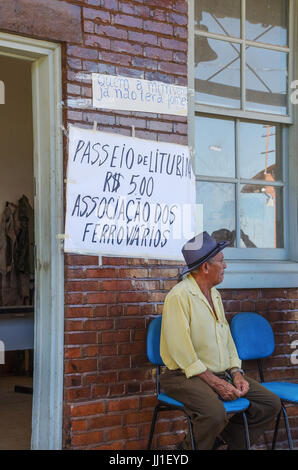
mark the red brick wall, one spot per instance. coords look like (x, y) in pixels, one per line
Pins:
(109, 390)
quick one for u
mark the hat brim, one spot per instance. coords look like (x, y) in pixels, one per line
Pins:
(219, 247)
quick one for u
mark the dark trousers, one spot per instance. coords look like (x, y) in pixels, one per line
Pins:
(208, 414)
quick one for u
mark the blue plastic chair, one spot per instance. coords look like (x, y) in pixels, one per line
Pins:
(166, 403)
(254, 339)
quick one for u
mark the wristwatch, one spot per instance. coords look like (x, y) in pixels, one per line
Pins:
(236, 369)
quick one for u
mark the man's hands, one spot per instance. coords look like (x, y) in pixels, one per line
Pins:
(240, 383)
(224, 389)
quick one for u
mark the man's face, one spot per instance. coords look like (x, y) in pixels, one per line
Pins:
(216, 269)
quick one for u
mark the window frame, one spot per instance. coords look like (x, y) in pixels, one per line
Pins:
(249, 272)
(242, 112)
(255, 253)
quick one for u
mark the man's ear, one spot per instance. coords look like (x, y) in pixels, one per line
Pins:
(205, 268)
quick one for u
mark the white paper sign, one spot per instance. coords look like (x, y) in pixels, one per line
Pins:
(134, 94)
(127, 196)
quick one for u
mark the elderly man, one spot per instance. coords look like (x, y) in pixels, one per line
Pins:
(202, 364)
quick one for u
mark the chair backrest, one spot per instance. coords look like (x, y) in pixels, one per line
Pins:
(253, 335)
(153, 341)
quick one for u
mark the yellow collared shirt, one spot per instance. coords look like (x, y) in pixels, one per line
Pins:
(192, 339)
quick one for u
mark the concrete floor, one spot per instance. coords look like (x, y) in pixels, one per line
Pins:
(15, 414)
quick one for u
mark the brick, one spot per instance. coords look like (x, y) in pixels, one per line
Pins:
(111, 31)
(100, 391)
(133, 273)
(116, 285)
(79, 425)
(139, 444)
(132, 323)
(115, 363)
(103, 377)
(88, 27)
(70, 353)
(122, 405)
(74, 325)
(173, 68)
(134, 374)
(139, 417)
(97, 41)
(124, 46)
(115, 58)
(90, 351)
(78, 393)
(160, 15)
(109, 4)
(131, 348)
(158, 27)
(73, 299)
(79, 312)
(81, 286)
(177, 18)
(164, 272)
(73, 89)
(180, 5)
(85, 260)
(115, 310)
(180, 32)
(119, 445)
(104, 421)
(101, 273)
(87, 409)
(117, 390)
(73, 381)
(128, 21)
(108, 350)
(98, 15)
(158, 53)
(100, 298)
(87, 438)
(80, 338)
(115, 336)
(143, 38)
(98, 325)
(173, 44)
(122, 433)
(84, 365)
(132, 297)
(126, 7)
(82, 52)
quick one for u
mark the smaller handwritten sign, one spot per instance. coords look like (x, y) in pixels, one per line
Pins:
(134, 94)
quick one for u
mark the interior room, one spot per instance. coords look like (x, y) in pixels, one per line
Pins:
(16, 254)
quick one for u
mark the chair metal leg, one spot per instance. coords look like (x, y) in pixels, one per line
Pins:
(193, 445)
(275, 431)
(247, 439)
(156, 410)
(287, 426)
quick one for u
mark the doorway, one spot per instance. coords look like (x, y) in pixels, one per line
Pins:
(16, 254)
(32, 178)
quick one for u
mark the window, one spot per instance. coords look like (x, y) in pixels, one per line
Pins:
(240, 70)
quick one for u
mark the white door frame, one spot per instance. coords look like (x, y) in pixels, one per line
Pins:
(47, 411)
